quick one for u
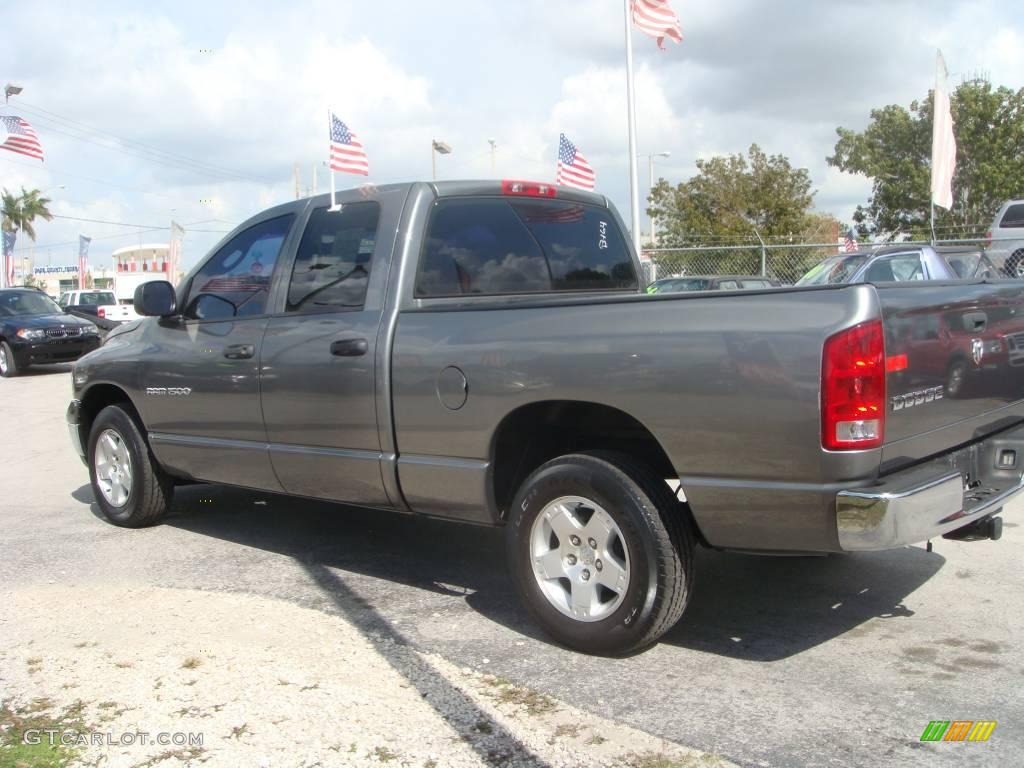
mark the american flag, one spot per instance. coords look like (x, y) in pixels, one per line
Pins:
(347, 154)
(16, 135)
(657, 19)
(851, 241)
(573, 168)
(547, 213)
(8, 255)
(83, 259)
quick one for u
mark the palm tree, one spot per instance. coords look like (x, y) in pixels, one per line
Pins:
(10, 210)
(19, 213)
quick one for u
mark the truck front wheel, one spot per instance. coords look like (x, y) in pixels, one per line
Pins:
(601, 552)
(130, 487)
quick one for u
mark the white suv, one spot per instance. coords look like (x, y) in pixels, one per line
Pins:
(1006, 239)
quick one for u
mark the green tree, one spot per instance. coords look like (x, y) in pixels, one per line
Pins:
(895, 152)
(732, 197)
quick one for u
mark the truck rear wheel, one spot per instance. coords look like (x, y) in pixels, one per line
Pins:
(601, 552)
(130, 487)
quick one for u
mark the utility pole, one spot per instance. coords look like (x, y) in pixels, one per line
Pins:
(494, 146)
(296, 176)
(314, 179)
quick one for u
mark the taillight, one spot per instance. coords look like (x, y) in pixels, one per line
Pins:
(853, 388)
(528, 189)
(988, 239)
(101, 312)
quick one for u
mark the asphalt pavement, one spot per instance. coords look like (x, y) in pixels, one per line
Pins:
(830, 661)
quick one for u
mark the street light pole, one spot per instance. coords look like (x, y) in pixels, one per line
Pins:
(650, 167)
(494, 146)
(437, 148)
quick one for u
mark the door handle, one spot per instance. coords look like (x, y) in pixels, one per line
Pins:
(239, 351)
(349, 347)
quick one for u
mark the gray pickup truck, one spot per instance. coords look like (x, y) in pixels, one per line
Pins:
(485, 352)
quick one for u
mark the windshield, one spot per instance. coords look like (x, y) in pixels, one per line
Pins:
(27, 303)
(838, 269)
(971, 264)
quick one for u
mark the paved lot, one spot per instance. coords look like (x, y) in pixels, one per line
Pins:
(820, 661)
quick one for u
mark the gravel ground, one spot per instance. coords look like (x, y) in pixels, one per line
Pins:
(265, 683)
(838, 661)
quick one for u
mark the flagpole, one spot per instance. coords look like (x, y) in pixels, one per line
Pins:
(334, 194)
(935, 125)
(634, 191)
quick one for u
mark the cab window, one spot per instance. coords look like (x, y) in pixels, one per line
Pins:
(235, 281)
(332, 267)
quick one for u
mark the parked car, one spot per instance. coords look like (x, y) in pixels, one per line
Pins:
(98, 304)
(902, 264)
(484, 352)
(34, 330)
(712, 283)
(1006, 239)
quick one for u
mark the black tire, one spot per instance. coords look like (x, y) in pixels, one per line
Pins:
(1015, 265)
(655, 530)
(10, 368)
(957, 378)
(150, 489)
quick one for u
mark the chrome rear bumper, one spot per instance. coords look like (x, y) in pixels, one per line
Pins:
(934, 498)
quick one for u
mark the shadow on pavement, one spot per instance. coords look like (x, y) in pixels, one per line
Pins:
(743, 606)
(325, 538)
(770, 608)
(44, 370)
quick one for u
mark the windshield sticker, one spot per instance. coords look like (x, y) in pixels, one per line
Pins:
(602, 235)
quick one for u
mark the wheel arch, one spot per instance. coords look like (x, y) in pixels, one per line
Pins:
(533, 434)
(99, 396)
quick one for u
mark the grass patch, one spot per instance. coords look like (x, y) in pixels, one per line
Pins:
(563, 730)
(508, 692)
(596, 740)
(14, 722)
(384, 755)
(661, 760)
(191, 662)
(186, 753)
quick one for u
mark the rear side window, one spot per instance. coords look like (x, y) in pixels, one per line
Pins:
(332, 267)
(496, 246)
(1014, 217)
(728, 285)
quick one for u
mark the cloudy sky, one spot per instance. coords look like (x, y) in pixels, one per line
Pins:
(227, 126)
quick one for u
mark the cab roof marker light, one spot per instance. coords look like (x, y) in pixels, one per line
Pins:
(528, 188)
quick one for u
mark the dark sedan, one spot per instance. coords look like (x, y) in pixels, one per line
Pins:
(34, 330)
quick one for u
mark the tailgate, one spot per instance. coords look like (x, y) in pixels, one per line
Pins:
(955, 356)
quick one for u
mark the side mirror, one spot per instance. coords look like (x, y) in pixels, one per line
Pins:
(155, 299)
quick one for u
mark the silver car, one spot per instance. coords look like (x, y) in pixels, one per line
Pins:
(1006, 239)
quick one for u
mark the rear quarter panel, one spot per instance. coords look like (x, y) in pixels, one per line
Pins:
(727, 382)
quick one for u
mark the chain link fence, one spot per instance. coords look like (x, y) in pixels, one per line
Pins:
(786, 263)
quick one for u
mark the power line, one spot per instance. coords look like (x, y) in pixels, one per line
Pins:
(54, 122)
(188, 228)
(50, 169)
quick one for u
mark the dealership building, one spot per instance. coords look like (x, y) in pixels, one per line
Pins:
(130, 267)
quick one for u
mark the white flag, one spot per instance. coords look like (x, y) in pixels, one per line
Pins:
(174, 251)
(943, 140)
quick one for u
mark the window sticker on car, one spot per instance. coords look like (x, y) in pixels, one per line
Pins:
(602, 235)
